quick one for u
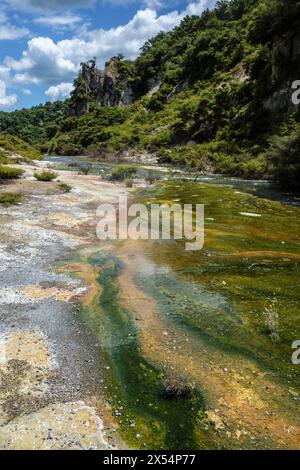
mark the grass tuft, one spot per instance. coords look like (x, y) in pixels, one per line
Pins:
(65, 188)
(9, 173)
(7, 199)
(45, 176)
(123, 172)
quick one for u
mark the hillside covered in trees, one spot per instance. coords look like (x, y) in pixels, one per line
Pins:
(214, 94)
(35, 125)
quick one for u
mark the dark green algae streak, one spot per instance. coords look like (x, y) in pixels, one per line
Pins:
(134, 386)
(217, 295)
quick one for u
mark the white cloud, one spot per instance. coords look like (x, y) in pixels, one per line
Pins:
(52, 63)
(4, 72)
(12, 32)
(59, 92)
(8, 31)
(6, 100)
(48, 5)
(57, 21)
(153, 4)
(45, 61)
(196, 8)
(26, 91)
(126, 39)
(42, 62)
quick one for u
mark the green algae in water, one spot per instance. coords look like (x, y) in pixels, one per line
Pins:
(249, 261)
(246, 263)
(147, 419)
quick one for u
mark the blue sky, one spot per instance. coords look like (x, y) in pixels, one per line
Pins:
(42, 42)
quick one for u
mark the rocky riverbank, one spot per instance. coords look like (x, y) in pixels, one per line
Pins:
(51, 388)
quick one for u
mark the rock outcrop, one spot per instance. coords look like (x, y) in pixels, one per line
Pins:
(285, 70)
(103, 87)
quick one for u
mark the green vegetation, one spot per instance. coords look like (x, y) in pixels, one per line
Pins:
(213, 94)
(128, 182)
(123, 172)
(213, 80)
(35, 125)
(7, 199)
(4, 159)
(65, 188)
(9, 173)
(219, 304)
(16, 145)
(84, 170)
(237, 249)
(284, 152)
(45, 175)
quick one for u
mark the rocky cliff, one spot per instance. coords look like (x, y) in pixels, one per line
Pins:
(103, 87)
(285, 70)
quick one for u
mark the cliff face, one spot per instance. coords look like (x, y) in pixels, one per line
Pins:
(103, 87)
(285, 70)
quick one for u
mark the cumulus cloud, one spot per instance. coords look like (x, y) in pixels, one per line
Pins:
(52, 63)
(48, 5)
(42, 62)
(59, 92)
(6, 100)
(129, 38)
(8, 31)
(45, 61)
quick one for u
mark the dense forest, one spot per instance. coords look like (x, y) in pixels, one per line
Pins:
(214, 94)
(35, 125)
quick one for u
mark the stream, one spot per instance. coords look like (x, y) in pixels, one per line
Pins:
(195, 322)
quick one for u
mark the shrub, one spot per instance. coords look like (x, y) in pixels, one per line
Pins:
(8, 173)
(284, 153)
(123, 172)
(253, 168)
(45, 176)
(84, 170)
(8, 199)
(4, 159)
(128, 182)
(65, 188)
(151, 178)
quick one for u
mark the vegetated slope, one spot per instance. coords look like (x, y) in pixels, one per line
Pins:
(35, 125)
(11, 146)
(214, 94)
